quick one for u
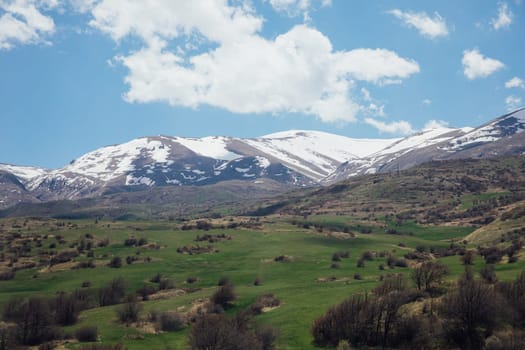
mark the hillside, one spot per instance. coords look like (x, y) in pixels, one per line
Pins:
(454, 192)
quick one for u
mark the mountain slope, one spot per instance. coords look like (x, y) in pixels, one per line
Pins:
(294, 158)
(501, 137)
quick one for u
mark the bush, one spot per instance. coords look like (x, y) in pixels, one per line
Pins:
(145, 291)
(86, 334)
(170, 322)
(115, 262)
(156, 278)
(33, 319)
(513, 340)
(470, 311)
(224, 296)
(66, 309)
(113, 293)
(7, 275)
(488, 273)
(223, 281)
(103, 347)
(166, 283)
(191, 279)
(129, 311)
(213, 331)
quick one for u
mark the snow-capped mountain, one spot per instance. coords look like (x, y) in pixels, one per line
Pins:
(500, 137)
(294, 158)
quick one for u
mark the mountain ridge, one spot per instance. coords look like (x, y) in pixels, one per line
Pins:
(294, 158)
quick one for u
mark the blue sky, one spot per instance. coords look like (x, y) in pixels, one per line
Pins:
(76, 75)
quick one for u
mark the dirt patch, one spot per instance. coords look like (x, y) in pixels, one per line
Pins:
(332, 279)
(167, 294)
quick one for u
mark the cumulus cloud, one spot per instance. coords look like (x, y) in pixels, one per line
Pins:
(429, 27)
(236, 68)
(427, 102)
(23, 22)
(504, 19)
(513, 102)
(515, 83)
(475, 65)
(397, 127)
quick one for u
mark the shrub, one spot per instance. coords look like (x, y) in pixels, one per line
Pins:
(170, 322)
(166, 283)
(470, 311)
(223, 281)
(258, 281)
(429, 274)
(115, 262)
(191, 279)
(113, 293)
(215, 331)
(488, 273)
(103, 347)
(87, 334)
(145, 291)
(33, 319)
(130, 242)
(129, 311)
(512, 340)
(224, 296)
(7, 275)
(156, 278)
(357, 276)
(66, 309)
(334, 265)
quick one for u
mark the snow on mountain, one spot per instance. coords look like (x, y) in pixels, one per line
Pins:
(509, 124)
(315, 153)
(212, 147)
(291, 158)
(24, 173)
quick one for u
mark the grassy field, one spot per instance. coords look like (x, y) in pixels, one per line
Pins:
(306, 284)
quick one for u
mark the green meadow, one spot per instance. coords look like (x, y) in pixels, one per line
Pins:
(305, 283)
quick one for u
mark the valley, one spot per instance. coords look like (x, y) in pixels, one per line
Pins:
(309, 249)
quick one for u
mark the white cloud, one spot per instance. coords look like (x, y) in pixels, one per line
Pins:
(83, 6)
(235, 68)
(295, 7)
(504, 19)
(515, 83)
(399, 127)
(427, 102)
(24, 23)
(429, 27)
(475, 65)
(513, 102)
(435, 124)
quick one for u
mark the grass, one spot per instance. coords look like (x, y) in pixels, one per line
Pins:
(249, 254)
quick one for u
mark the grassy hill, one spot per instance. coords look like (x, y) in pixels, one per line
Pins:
(293, 247)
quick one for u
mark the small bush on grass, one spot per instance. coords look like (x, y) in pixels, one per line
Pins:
(224, 296)
(170, 322)
(129, 311)
(86, 334)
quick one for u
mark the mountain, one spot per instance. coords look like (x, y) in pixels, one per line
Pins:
(283, 160)
(501, 137)
(292, 158)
